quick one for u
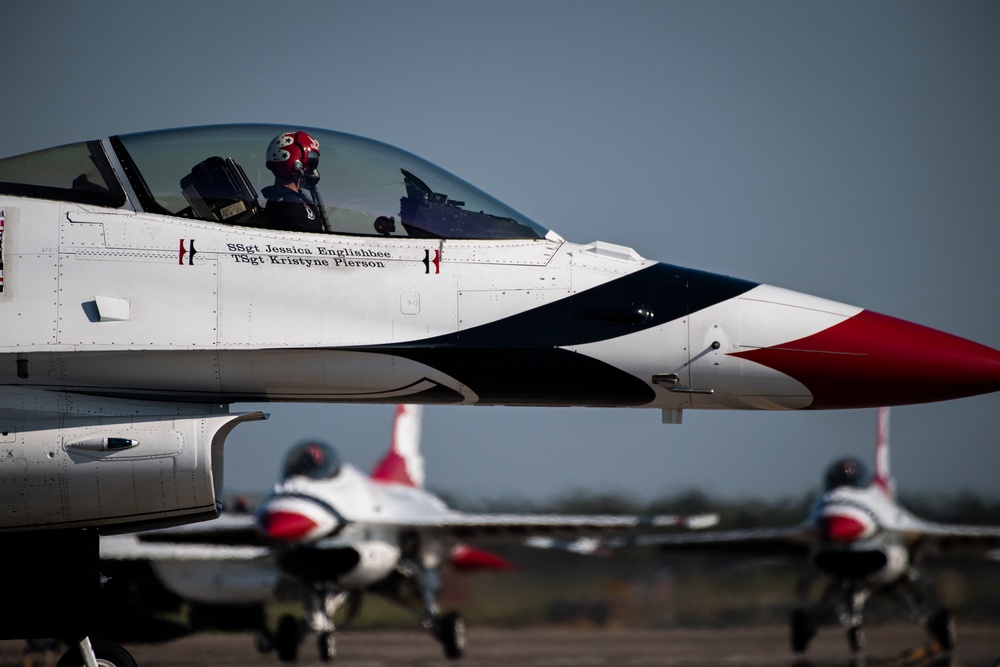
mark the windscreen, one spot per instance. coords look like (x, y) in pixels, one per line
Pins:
(75, 172)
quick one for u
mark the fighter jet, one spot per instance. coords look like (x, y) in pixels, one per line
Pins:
(146, 287)
(859, 541)
(335, 534)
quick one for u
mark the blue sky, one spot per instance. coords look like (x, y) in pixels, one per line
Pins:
(849, 150)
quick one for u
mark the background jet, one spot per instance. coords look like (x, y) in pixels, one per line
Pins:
(857, 539)
(336, 533)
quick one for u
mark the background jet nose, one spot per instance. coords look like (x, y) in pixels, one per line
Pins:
(841, 528)
(872, 359)
(285, 526)
(286, 518)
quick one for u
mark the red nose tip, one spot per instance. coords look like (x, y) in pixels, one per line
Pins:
(873, 360)
(286, 526)
(838, 528)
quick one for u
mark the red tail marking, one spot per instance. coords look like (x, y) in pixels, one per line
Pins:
(883, 478)
(393, 468)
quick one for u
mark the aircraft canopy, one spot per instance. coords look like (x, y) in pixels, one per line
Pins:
(215, 173)
(314, 459)
(846, 472)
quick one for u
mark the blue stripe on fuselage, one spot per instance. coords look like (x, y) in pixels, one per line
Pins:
(518, 360)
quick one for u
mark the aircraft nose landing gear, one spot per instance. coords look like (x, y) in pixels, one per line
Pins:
(856, 638)
(101, 654)
(57, 590)
(450, 631)
(941, 627)
(326, 644)
(803, 630)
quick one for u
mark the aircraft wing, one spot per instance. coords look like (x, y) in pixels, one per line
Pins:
(953, 539)
(230, 537)
(239, 531)
(135, 547)
(786, 541)
(198, 566)
(120, 463)
(461, 524)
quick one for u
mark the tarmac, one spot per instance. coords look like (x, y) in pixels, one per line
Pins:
(888, 645)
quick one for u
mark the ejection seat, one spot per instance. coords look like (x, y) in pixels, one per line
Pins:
(218, 190)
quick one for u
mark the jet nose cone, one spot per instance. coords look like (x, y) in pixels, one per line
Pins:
(841, 528)
(285, 526)
(294, 518)
(872, 360)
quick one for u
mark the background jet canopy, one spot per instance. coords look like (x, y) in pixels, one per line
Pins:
(847, 472)
(314, 459)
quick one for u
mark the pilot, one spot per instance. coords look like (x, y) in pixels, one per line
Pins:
(846, 472)
(292, 157)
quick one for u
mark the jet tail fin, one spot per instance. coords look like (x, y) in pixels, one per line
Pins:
(403, 463)
(883, 478)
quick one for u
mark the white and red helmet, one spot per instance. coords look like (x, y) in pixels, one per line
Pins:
(292, 154)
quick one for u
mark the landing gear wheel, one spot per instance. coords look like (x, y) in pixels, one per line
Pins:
(263, 641)
(108, 654)
(856, 638)
(327, 645)
(802, 631)
(286, 641)
(450, 629)
(941, 626)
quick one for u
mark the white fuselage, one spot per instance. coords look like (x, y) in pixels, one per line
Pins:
(145, 287)
(111, 302)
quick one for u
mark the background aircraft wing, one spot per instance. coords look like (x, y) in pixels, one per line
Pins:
(462, 524)
(230, 536)
(953, 539)
(134, 547)
(144, 574)
(786, 541)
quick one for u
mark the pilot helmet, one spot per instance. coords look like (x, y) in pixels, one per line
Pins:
(292, 154)
(846, 472)
(312, 458)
